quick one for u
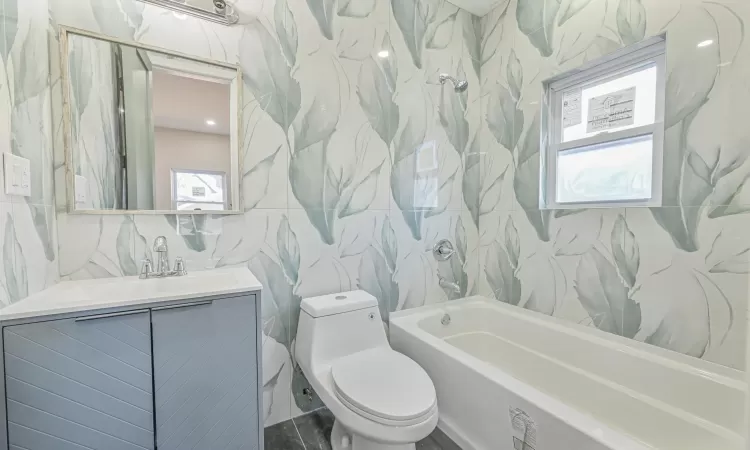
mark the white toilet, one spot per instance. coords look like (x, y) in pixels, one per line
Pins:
(381, 399)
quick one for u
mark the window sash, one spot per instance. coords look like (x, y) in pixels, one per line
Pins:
(606, 138)
(613, 66)
(596, 148)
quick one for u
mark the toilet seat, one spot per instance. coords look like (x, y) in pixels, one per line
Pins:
(384, 386)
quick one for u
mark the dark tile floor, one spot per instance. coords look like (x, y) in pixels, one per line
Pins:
(313, 432)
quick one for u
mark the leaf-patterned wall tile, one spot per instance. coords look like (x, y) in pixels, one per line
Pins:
(265, 176)
(704, 319)
(489, 177)
(15, 272)
(37, 255)
(518, 267)
(5, 126)
(333, 134)
(418, 272)
(10, 290)
(32, 131)
(329, 268)
(28, 90)
(93, 246)
(257, 241)
(427, 172)
(277, 380)
(192, 237)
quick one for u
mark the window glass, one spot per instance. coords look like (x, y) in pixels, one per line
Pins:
(199, 187)
(615, 171)
(643, 81)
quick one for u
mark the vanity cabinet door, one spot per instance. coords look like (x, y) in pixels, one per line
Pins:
(206, 375)
(80, 384)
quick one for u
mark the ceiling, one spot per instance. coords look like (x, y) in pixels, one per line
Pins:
(478, 7)
(184, 103)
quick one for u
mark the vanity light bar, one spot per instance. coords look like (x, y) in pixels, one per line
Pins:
(175, 5)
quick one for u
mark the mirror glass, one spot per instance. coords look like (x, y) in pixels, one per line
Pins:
(150, 130)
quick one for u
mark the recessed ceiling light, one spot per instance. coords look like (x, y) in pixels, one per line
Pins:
(210, 122)
(706, 43)
(383, 53)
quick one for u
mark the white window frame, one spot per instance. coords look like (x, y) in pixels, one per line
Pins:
(651, 52)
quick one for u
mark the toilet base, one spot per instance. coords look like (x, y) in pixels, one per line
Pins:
(342, 439)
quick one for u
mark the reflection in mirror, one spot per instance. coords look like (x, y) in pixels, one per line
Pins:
(149, 130)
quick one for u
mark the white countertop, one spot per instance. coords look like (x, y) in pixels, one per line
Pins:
(87, 295)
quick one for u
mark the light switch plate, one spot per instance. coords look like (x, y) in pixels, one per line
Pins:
(17, 174)
(81, 184)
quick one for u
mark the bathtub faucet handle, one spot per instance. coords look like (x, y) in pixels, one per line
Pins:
(443, 250)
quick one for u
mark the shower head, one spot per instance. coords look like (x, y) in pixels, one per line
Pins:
(458, 85)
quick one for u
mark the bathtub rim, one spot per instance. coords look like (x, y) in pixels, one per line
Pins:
(699, 367)
(407, 322)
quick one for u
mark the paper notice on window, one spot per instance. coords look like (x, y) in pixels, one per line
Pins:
(524, 429)
(199, 191)
(614, 110)
(572, 112)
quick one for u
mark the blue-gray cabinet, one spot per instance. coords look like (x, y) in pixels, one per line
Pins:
(170, 377)
(80, 383)
(205, 379)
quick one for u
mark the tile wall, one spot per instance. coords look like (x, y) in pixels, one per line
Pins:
(674, 276)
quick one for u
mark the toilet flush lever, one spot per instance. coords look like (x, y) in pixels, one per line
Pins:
(443, 250)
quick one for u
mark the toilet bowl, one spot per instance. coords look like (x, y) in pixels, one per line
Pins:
(381, 399)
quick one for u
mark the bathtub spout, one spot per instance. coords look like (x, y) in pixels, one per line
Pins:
(445, 284)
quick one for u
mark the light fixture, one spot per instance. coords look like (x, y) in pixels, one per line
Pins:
(383, 53)
(706, 43)
(210, 122)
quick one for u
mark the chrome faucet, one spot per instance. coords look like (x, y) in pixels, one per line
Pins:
(162, 259)
(162, 262)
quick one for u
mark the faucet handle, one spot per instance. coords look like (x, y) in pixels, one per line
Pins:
(443, 250)
(179, 267)
(146, 269)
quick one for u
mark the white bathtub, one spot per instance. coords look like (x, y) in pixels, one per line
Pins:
(575, 388)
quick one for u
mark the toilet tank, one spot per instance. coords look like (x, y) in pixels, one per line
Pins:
(337, 325)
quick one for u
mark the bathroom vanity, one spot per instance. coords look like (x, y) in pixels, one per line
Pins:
(126, 364)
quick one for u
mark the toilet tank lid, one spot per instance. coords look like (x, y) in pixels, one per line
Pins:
(327, 305)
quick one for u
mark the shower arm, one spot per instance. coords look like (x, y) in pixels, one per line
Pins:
(443, 77)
